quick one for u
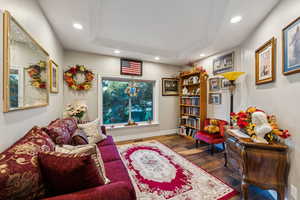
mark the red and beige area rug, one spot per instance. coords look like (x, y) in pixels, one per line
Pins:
(158, 173)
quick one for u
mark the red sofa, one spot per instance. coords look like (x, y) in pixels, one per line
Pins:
(20, 176)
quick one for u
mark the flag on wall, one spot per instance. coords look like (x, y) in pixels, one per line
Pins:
(131, 67)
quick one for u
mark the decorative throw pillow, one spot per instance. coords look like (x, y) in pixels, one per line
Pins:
(61, 130)
(92, 150)
(213, 128)
(20, 175)
(93, 131)
(66, 173)
(79, 138)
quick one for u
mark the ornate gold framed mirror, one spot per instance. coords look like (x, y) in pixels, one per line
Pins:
(25, 68)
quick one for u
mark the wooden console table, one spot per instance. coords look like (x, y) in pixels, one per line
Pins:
(262, 165)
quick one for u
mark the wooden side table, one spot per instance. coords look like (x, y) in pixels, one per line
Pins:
(262, 165)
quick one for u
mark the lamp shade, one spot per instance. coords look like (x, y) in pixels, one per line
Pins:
(232, 76)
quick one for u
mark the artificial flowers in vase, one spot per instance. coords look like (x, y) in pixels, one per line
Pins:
(76, 111)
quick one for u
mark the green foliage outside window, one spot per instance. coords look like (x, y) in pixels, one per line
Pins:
(115, 102)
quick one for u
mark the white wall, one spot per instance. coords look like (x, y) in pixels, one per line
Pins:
(110, 66)
(15, 124)
(222, 111)
(281, 97)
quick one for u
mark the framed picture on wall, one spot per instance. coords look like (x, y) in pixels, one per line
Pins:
(265, 62)
(225, 84)
(215, 98)
(223, 63)
(131, 67)
(214, 84)
(291, 47)
(53, 77)
(170, 86)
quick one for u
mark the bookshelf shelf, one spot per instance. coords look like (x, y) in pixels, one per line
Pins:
(193, 107)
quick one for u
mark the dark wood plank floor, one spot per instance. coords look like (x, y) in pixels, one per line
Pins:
(213, 164)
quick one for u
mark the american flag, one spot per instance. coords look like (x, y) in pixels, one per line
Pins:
(131, 67)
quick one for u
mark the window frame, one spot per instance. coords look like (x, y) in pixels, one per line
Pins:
(118, 78)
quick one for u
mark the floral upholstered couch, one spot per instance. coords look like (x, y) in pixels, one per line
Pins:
(21, 177)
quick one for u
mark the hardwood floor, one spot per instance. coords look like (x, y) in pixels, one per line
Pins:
(202, 157)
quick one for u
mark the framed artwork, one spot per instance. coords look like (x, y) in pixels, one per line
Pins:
(214, 84)
(265, 63)
(223, 64)
(131, 67)
(53, 77)
(291, 47)
(170, 87)
(215, 98)
(225, 83)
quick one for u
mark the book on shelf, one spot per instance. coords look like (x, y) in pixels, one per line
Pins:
(191, 122)
(190, 111)
(187, 131)
(190, 101)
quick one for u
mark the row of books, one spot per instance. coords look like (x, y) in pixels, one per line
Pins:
(193, 122)
(190, 101)
(187, 131)
(190, 111)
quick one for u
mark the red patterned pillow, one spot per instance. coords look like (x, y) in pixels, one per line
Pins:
(66, 173)
(61, 130)
(20, 176)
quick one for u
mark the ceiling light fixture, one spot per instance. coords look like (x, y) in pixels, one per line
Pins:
(157, 58)
(236, 19)
(117, 51)
(77, 26)
(202, 55)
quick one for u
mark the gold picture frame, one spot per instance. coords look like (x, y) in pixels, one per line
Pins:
(7, 21)
(265, 62)
(54, 79)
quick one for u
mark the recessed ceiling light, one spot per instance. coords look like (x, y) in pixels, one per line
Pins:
(157, 58)
(202, 55)
(117, 51)
(236, 19)
(77, 26)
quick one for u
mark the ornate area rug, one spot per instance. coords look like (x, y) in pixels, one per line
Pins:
(158, 173)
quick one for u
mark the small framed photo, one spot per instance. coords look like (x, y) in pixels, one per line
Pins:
(170, 87)
(215, 98)
(225, 84)
(265, 63)
(291, 47)
(131, 67)
(53, 77)
(223, 64)
(214, 84)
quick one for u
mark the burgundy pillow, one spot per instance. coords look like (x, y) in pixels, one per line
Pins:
(20, 175)
(61, 130)
(79, 138)
(66, 173)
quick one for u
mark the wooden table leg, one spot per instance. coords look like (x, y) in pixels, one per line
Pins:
(245, 190)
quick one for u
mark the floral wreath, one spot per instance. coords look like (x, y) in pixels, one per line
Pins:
(70, 74)
(34, 71)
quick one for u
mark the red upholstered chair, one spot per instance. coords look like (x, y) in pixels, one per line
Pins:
(212, 139)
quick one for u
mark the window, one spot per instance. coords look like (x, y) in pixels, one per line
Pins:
(117, 105)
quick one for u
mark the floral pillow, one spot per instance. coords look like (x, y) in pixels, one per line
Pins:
(20, 176)
(93, 131)
(61, 130)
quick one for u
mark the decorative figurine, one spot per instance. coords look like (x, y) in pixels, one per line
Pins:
(262, 126)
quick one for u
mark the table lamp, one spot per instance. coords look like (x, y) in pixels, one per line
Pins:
(232, 77)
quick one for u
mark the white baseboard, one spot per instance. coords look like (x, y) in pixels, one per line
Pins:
(144, 135)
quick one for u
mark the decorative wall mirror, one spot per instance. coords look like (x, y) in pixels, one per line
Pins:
(25, 73)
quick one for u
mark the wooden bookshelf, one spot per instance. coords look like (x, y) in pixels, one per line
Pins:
(193, 105)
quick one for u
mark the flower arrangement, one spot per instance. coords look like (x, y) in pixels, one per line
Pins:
(34, 72)
(243, 120)
(70, 74)
(75, 110)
